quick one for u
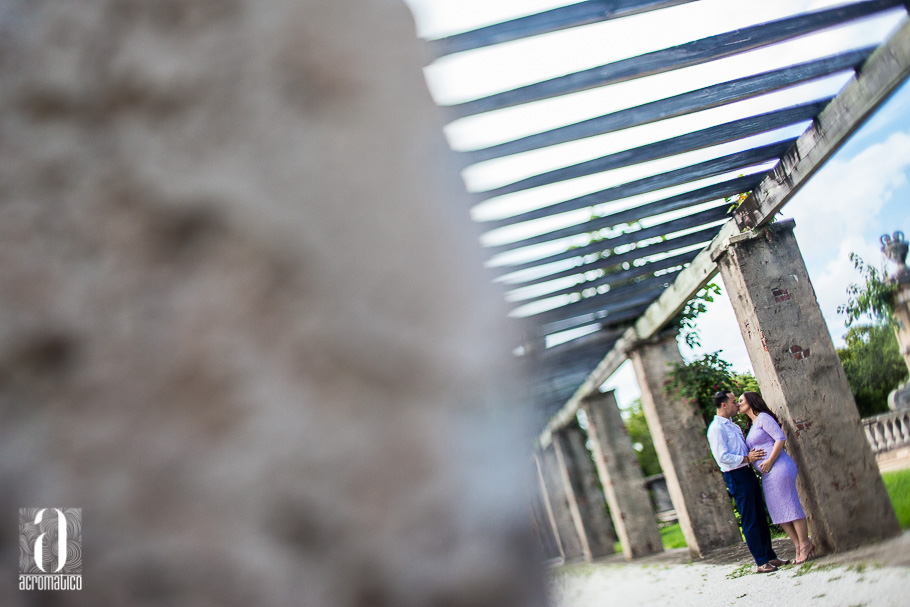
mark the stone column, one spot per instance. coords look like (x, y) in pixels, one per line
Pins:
(900, 398)
(695, 482)
(586, 490)
(573, 545)
(803, 382)
(542, 522)
(623, 484)
(548, 517)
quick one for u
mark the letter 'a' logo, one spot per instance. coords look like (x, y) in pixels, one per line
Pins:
(61, 540)
(50, 541)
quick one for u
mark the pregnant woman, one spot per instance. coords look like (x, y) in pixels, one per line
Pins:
(778, 473)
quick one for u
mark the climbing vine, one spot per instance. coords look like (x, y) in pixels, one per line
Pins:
(685, 320)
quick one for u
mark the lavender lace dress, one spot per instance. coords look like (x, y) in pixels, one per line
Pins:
(779, 485)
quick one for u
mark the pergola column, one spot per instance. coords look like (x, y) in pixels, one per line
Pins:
(542, 518)
(694, 481)
(585, 490)
(803, 382)
(573, 546)
(623, 484)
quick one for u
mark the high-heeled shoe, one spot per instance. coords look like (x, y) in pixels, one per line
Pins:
(804, 555)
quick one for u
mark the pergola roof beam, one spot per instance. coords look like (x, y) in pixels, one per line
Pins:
(679, 105)
(882, 74)
(607, 245)
(606, 263)
(606, 313)
(709, 168)
(684, 55)
(598, 302)
(622, 276)
(704, 138)
(717, 191)
(574, 15)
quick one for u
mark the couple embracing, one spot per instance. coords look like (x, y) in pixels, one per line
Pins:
(763, 448)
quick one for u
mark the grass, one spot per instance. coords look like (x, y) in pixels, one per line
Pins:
(897, 484)
(672, 537)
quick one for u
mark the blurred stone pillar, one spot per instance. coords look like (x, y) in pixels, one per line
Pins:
(543, 526)
(566, 518)
(694, 481)
(621, 477)
(224, 332)
(895, 248)
(803, 382)
(586, 490)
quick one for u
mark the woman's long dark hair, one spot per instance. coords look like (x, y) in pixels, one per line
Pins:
(758, 405)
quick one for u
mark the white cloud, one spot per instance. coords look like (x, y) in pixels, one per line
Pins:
(832, 281)
(844, 199)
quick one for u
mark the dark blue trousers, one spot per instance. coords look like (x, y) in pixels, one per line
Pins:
(750, 502)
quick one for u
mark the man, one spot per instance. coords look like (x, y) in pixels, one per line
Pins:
(734, 458)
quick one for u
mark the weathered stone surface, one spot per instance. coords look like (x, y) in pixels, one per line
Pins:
(241, 323)
(803, 382)
(695, 482)
(586, 490)
(623, 484)
(566, 519)
(900, 398)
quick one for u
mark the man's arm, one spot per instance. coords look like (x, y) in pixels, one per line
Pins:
(722, 452)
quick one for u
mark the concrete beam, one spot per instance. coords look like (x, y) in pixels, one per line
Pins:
(885, 70)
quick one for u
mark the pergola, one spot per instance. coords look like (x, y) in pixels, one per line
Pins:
(630, 268)
(617, 264)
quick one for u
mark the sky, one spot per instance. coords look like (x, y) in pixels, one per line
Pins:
(862, 192)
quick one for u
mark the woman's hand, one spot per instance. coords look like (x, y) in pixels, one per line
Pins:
(766, 466)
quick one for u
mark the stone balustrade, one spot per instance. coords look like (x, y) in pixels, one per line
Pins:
(888, 431)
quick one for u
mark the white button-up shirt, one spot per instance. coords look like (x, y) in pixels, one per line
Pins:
(727, 443)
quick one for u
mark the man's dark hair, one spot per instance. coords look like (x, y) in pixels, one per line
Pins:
(720, 397)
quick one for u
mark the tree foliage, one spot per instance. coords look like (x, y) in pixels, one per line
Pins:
(875, 297)
(641, 440)
(873, 364)
(697, 382)
(871, 357)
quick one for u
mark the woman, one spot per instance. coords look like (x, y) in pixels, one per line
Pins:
(778, 473)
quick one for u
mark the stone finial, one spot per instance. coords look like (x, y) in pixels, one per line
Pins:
(895, 248)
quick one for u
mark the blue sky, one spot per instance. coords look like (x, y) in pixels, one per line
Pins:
(861, 193)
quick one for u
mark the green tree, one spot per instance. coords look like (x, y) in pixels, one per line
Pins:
(875, 297)
(871, 357)
(873, 364)
(744, 382)
(641, 440)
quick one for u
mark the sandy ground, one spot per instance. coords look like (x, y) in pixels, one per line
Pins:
(870, 577)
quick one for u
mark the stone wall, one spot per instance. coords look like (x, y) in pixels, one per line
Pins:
(242, 321)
